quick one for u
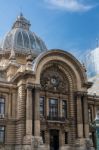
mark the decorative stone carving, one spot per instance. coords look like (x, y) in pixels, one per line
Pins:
(53, 80)
(37, 141)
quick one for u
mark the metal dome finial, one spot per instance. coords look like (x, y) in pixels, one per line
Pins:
(21, 14)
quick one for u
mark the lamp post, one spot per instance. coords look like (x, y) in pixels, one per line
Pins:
(95, 125)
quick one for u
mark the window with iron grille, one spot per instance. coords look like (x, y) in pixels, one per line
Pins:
(53, 108)
(2, 134)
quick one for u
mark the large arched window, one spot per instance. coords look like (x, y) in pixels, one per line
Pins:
(54, 97)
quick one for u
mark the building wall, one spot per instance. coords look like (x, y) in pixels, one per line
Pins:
(55, 74)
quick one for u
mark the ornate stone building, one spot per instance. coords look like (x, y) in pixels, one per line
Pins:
(44, 103)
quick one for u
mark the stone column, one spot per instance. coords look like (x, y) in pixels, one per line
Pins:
(86, 120)
(20, 124)
(79, 117)
(29, 111)
(37, 111)
(72, 119)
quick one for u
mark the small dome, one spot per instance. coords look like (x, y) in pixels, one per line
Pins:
(21, 39)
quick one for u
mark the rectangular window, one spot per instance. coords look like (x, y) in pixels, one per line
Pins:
(2, 134)
(64, 108)
(53, 108)
(66, 137)
(41, 106)
(2, 107)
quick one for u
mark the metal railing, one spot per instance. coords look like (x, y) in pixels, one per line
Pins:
(56, 118)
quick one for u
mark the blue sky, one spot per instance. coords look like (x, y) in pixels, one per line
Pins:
(71, 25)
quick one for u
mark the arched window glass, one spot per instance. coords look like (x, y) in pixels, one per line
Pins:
(26, 40)
(32, 41)
(19, 40)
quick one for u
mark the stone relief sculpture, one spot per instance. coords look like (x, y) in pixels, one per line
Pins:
(53, 80)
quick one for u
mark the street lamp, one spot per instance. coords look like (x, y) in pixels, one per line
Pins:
(95, 125)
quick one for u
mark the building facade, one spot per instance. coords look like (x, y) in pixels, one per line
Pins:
(44, 100)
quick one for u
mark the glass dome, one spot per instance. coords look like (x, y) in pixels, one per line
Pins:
(21, 39)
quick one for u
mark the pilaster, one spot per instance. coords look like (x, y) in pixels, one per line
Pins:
(79, 116)
(29, 110)
(37, 111)
(86, 120)
(21, 103)
(72, 118)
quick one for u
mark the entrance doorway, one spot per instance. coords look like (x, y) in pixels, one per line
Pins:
(54, 139)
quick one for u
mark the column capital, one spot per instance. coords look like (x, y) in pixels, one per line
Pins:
(33, 86)
(85, 94)
(81, 93)
(29, 86)
(37, 86)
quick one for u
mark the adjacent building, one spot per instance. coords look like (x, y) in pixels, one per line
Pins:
(44, 99)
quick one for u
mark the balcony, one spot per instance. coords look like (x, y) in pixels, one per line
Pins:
(56, 118)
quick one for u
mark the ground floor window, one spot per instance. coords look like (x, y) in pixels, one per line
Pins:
(2, 134)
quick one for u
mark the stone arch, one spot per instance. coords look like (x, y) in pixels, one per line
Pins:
(68, 63)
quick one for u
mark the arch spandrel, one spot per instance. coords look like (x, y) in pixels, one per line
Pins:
(66, 62)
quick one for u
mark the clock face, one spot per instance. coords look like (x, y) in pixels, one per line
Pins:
(54, 81)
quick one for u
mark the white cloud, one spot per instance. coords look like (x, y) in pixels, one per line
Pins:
(69, 5)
